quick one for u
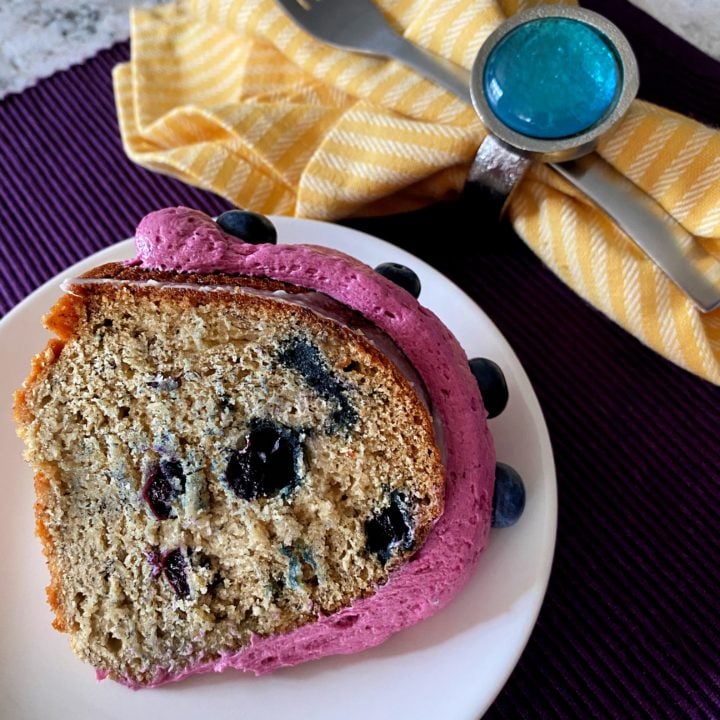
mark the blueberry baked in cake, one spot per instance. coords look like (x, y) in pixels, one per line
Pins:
(250, 454)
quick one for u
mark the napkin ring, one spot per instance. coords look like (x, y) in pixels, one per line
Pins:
(547, 84)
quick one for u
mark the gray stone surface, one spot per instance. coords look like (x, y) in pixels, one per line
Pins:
(38, 37)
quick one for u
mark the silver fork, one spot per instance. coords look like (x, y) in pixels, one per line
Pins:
(358, 25)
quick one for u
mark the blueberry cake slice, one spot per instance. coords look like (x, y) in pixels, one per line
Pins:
(240, 456)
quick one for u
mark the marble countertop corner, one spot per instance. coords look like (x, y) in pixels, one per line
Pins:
(39, 37)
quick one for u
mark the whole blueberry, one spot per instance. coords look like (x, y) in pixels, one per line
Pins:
(267, 464)
(491, 381)
(248, 226)
(175, 571)
(165, 483)
(402, 276)
(509, 497)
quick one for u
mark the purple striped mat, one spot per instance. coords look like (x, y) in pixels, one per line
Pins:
(630, 627)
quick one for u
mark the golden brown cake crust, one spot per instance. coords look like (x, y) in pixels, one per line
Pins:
(42, 491)
(23, 415)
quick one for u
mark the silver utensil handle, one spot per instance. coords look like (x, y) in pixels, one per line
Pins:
(645, 221)
(447, 74)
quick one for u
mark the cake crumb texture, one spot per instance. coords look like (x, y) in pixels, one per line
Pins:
(216, 466)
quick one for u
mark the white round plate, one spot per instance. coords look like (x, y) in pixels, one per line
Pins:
(448, 667)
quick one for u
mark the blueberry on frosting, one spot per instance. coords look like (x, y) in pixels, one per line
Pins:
(509, 496)
(491, 381)
(402, 276)
(248, 226)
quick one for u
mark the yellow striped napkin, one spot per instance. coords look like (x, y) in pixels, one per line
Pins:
(229, 95)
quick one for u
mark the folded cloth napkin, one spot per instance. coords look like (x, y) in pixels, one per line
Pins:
(231, 96)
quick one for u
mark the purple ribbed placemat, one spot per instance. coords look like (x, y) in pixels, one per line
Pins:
(630, 624)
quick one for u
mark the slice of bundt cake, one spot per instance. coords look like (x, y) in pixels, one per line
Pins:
(239, 458)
